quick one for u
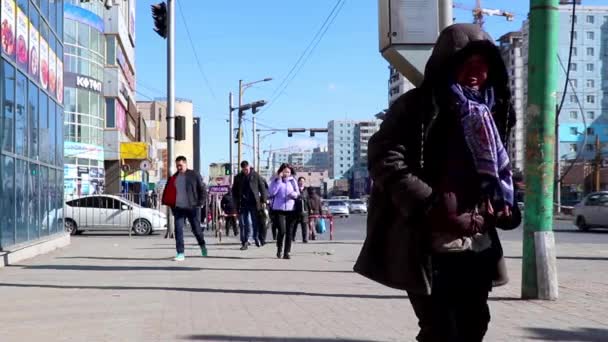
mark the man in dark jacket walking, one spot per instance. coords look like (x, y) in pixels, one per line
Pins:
(250, 196)
(229, 210)
(185, 194)
(441, 185)
(302, 210)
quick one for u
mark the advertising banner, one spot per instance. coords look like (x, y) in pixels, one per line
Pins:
(44, 63)
(52, 71)
(84, 16)
(121, 117)
(22, 39)
(34, 51)
(132, 21)
(80, 150)
(59, 81)
(8, 27)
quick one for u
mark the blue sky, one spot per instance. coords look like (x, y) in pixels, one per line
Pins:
(345, 77)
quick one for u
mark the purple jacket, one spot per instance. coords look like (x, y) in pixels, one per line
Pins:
(283, 193)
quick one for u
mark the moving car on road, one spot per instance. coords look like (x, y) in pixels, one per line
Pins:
(592, 211)
(110, 213)
(357, 207)
(338, 208)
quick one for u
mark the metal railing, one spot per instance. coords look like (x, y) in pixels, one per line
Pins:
(137, 213)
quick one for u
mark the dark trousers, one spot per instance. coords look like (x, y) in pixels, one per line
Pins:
(284, 222)
(301, 220)
(457, 310)
(248, 220)
(193, 215)
(231, 223)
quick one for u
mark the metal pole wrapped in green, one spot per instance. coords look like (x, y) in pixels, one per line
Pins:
(539, 278)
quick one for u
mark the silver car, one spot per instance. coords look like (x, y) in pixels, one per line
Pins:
(592, 211)
(107, 212)
(357, 206)
(338, 208)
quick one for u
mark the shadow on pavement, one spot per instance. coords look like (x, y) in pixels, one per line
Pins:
(577, 231)
(265, 339)
(579, 334)
(151, 259)
(160, 268)
(203, 290)
(568, 258)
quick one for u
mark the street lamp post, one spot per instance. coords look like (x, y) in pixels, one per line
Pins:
(259, 147)
(242, 88)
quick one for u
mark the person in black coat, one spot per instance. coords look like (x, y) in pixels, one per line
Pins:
(229, 210)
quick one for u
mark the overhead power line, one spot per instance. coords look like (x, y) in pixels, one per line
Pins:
(301, 61)
(198, 62)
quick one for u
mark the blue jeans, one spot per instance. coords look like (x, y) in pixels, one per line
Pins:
(248, 223)
(193, 215)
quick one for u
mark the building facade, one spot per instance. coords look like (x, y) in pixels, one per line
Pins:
(300, 158)
(341, 148)
(363, 132)
(123, 126)
(31, 130)
(84, 121)
(397, 85)
(511, 47)
(320, 158)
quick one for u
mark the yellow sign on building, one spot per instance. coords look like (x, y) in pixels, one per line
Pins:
(134, 150)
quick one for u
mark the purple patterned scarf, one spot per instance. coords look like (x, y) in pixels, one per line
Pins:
(484, 142)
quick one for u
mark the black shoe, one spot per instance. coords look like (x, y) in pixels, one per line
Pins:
(286, 256)
(244, 247)
(305, 241)
(257, 243)
(279, 255)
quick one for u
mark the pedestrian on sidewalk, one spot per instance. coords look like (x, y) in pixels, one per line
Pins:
(284, 192)
(185, 194)
(250, 195)
(302, 209)
(229, 210)
(316, 209)
(442, 183)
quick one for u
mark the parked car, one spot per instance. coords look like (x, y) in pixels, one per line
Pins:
(338, 208)
(107, 212)
(592, 211)
(357, 207)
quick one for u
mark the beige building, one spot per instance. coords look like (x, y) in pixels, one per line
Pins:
(154, 113)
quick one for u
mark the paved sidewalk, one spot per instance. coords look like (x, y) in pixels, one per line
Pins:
(104, 288)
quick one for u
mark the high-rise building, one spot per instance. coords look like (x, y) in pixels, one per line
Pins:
(363, 132)
(31, 129)
(319, 159)
(397, 85)
(511, 50)
(341, 147)
(300, 158)
(585, 109)
(84, 97)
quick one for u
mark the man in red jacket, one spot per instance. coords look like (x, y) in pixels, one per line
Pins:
(185, 194)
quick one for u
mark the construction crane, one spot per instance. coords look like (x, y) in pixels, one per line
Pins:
(479, 12)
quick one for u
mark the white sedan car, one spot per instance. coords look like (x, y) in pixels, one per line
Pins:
(358, 206)
(338, 208)
(107, 212)
(592, 211)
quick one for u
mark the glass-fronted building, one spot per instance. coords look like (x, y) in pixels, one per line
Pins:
(31, 129)
(84, 59)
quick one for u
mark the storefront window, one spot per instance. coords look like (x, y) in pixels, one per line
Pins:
(43, 126)
(32, 105)
(83, 35)
(33, 202)
(44, 7)
(8, 107)
(59, 138)
(71, 32)
(21, 209)
(52, 132)
(110, 113)
(44, 200)
(52, 14)
(7, 205)
(21, 118)
(111, 50)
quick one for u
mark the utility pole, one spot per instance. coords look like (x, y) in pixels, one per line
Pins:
(558, 167)
(257, 155)
(253, 133)
(598, 163)
(240, 128)
(539, 270)
(446, 15)
(230, 137)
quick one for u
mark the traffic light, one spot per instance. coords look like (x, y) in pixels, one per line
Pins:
(256, 105)
(227, 169)
(317, 130)
(159, 14)
(291, 131)
(180, 128)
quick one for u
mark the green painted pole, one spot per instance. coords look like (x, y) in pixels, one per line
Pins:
(539, 273)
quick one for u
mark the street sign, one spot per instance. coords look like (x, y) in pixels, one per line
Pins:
(219, 189)
(144, 165)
